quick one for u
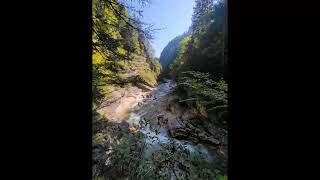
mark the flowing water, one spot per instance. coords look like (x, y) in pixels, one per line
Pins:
(154, 138)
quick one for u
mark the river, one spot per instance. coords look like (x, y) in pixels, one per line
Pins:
(148, 104)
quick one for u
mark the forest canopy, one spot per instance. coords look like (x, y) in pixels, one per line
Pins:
(206, 48)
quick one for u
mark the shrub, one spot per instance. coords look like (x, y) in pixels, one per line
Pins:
(221, 177)
(207, 96)
(147, 77)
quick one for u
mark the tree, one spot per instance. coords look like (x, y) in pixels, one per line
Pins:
(117, 35)
(206, 50)
(171, 50)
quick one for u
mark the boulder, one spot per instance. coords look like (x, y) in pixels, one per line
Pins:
(178, 133)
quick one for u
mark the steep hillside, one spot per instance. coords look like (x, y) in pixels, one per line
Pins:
(122, 54)
(136, 77)
(205, 50)
(170, 52)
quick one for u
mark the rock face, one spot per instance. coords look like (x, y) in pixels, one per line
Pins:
(118, 105)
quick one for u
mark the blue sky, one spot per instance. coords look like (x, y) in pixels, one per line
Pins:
(173, 15)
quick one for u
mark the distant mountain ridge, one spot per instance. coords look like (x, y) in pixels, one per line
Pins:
(170, 51)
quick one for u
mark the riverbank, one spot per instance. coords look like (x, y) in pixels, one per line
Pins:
(120, 101)
(155, 122)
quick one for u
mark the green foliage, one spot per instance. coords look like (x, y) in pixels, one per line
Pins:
(222, 177)
(222, 85)
(180, 59)
(170, 51)
(175, 160)
(156, 67)
(147, 77)
(211, 94)
(149, 50)
(117, 153)
(149, 72)
(200, 63)
(206, 50)
(117, 39)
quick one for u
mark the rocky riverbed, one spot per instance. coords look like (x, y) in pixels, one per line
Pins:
(157, 113)
(160, 115)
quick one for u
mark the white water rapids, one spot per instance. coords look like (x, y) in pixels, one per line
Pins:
(154, 138)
